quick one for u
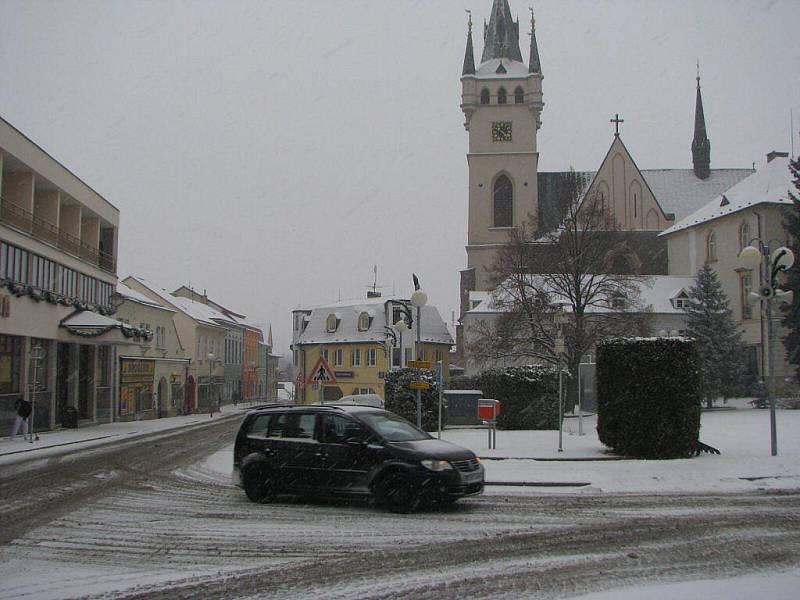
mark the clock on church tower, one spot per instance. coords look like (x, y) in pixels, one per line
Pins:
(501, 131)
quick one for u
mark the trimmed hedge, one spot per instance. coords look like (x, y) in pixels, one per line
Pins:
(649, 393)
(402, 400)
(528, 395)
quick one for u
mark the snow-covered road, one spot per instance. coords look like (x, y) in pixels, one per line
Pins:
(151, 521)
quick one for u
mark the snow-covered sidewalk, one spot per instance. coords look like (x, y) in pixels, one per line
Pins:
(60, 441)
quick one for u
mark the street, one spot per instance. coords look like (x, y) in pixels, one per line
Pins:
(145, 519)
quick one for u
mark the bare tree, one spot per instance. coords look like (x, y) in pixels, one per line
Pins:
(578, 282)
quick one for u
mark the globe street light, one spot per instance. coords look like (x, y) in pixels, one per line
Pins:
(418, 300)
(771, 262)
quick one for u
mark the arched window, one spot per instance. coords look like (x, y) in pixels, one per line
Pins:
(711, 247)
(484, 96)
(364, 321)
(501, 96)
(331, 323)
(503, 202)
(744, 235)
(519, 95)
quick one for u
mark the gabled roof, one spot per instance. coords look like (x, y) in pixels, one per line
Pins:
(769, 185)
(195, 310)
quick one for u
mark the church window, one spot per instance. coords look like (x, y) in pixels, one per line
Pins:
(744, 235)
(501, 96)
(745, 287)
(503, 202)
(484, 96)
(519, 96)
(711, 247)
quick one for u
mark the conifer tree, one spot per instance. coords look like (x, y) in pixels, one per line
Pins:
(791, 222)
(719, 338)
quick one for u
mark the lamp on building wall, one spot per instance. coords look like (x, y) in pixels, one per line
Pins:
(770, 263)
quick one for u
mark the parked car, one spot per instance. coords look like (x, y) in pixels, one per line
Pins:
(332, 450)
(363, 399)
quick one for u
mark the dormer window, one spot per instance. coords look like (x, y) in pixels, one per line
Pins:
(331, 323)
(681, 301)
(364, 321)
(618, 301)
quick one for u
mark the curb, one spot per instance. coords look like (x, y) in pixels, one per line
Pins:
(556, 459)
(538, 483)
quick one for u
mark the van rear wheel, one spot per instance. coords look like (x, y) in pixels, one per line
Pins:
(399, 493)
(259, 484)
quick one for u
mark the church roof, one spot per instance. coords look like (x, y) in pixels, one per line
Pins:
(501, 35)
(768, 185)
(510, 69)
(677, 191)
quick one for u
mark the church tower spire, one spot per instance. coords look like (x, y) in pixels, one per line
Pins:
(534, 65)
(469, 54)
(501, 35)
(701, 146)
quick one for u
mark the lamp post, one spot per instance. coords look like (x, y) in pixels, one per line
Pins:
(771, 262)
(559, 347)
(211, 358)
(418, 300)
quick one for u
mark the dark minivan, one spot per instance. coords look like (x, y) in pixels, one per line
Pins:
(335, 450)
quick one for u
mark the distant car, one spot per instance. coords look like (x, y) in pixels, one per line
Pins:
(332, 450)
(362, 399)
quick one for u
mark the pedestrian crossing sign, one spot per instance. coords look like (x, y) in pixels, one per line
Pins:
(321, 373)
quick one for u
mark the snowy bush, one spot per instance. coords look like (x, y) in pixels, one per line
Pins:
(528, 395)
(648, 396)
(402, 400)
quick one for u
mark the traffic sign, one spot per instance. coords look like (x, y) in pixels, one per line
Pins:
(419, 364)
(419, 385)
(321, 373)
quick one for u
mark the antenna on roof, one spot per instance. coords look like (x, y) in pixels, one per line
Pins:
(372, 290)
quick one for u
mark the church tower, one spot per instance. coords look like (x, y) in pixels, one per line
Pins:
(701, 146)
(502, 104)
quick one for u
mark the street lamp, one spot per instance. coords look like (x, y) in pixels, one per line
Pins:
(559, 346)
(418, 300)
(771, 262)
(211, 358)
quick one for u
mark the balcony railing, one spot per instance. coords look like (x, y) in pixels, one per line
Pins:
(26, 221)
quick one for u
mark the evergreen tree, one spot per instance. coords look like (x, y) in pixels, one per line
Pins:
(791, 223)
(718, 337)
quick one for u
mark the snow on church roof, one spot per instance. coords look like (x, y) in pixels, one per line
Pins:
(513, 69)
(769, 185)
(681, 192)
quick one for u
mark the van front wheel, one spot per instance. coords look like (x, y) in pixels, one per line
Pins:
(259, 484)
(398, 493)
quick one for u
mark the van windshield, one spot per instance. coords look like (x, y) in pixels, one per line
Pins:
(393, 428)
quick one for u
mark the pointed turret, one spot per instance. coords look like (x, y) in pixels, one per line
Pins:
(501, 35)
(534, 66)
(701, 146)
(469, 54)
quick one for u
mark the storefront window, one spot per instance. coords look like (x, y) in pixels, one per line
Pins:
(39, 375)
(10, 364)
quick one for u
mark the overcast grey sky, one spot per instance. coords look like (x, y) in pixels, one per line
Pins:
(272, 152)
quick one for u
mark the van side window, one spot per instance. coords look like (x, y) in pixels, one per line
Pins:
(259, 425)
(299, 426)
(276, 425)
(337, 429)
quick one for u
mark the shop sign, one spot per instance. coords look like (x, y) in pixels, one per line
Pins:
(343, 374)
(132, 371)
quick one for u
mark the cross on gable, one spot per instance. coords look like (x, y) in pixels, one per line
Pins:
(616, 120)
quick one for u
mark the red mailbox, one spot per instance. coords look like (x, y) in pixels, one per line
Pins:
(488, 409)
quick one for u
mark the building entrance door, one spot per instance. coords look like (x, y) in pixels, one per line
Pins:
(63, 379)
(189, 399)
(162, 398)
(85, 381)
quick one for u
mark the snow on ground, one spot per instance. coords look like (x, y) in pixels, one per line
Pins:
(776, 586)
(742, 436)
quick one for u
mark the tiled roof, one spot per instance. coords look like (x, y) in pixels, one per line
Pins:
(768, 185)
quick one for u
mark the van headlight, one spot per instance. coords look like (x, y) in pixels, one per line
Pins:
(437, 465)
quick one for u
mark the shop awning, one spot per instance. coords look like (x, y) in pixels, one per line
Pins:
(90, 325)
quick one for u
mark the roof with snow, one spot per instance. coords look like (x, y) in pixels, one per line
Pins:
(769, 185)
(502, 67)
(196, 310)
(655, 294)
(131, 294)
(434, 329)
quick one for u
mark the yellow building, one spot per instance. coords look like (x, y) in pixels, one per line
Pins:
(360, 342)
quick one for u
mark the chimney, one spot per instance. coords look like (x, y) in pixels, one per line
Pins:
(775, 154)
(373, 294)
